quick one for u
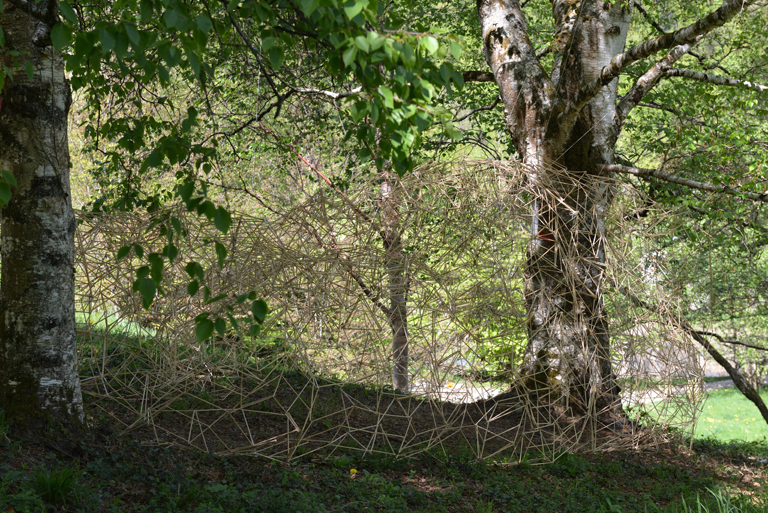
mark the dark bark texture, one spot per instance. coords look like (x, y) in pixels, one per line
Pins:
(39, 379)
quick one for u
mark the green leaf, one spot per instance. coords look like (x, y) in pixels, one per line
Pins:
(194, 270)
(204, 23)
(276, 57)
(123, 252)
(171, 18)
(203, 330)
(267, 43)
(5, 194)
(221, 253)
(30, 69)
(222, 219)
(220, 325)
(139, 250)
(375, 40)
(349, 55)
(107, 40)
(354, 7)
(147, 11)
(362, 44)
(60, 36)
(177, 225)
(134, 36)
(156, 266)
(309, 6)
(259, 309)
(192, 287)
(171, 252)
(430, 44)
(233, 321)
(458, 79)
(8, 177)
(147, 289)
(185, 190)
(455, 50)
(68, 12)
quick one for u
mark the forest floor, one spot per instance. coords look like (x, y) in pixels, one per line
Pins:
(105, 471)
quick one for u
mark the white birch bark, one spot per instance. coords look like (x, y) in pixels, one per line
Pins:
(39, 379)
(565, 127)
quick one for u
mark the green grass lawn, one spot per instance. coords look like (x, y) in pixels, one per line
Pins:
(728, 415)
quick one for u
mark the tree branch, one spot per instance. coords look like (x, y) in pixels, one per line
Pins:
(738, 380)
(690, 119)
(658, 27)
(731, 341)
(702, 186)
(479, 109)
(729, 10)
(714, 79)
(648, 18)
(330, 94)
(477, 76)
(646, 82)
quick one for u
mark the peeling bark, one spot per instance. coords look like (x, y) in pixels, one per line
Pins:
(565, 127)
(567, 357)
(39, 379)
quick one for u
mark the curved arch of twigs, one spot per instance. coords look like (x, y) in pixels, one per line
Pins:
(318, 377)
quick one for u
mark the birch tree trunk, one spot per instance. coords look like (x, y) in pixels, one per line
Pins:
(39, 379)
(565, 123)
(398, 282)
(567, 357)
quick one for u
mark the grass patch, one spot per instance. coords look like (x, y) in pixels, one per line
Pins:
(728, 415)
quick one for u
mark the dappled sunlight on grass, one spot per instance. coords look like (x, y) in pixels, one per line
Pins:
(728, 415)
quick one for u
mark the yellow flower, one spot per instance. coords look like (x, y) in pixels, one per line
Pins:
(449, 385)
(353, 471)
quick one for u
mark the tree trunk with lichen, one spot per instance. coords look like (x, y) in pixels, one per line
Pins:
(39, 380)
(565, 122)
(567, 357)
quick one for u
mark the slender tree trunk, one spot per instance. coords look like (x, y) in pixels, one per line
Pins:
(38, 359)
(398, 282)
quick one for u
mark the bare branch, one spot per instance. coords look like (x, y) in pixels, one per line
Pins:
(658, 106)
(646, 82)
(658, 27)
(330, 94)
(702, 186)
(477, 76)
(479, 109)
(731, 341)
(729, 10)
(714, 79)
(648, 18)
(738, 380)
(256, 55)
